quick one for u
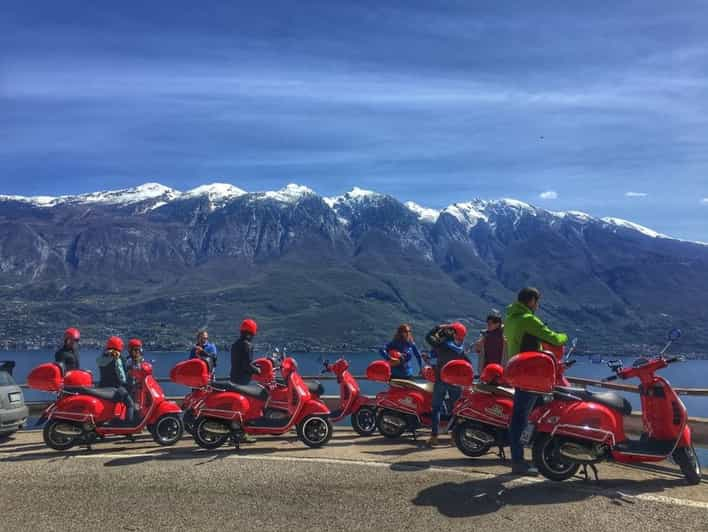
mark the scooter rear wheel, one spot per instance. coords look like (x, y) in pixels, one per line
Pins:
(206, 439)
(364, 421)
(167, 430)
(686, 459)
(468, 439)
(547, 458)
(188, 421)
(55, 440)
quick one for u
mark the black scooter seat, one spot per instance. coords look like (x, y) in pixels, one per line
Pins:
(249, 390)
(315, 387)
(102, 393)
(610, 399)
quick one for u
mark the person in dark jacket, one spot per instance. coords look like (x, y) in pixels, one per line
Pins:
(242, 367)
(491, 345)
(204, 349)
(447, 343)
(399, 353)
(68, 354)
(113, 375)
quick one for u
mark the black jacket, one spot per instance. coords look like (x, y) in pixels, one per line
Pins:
(241, 359)
(68, 357)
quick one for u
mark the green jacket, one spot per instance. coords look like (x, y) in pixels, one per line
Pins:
(521, 321)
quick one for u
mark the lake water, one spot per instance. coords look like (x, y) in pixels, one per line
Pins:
(689, 374)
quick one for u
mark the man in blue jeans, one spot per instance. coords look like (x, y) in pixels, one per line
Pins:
(447, 342)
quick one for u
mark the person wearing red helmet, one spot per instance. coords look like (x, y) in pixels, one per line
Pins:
(447, 343)
(68, 353)
(135, 359)
(113, 375)
(242, 367)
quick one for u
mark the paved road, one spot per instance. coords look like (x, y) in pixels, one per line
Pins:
(354, 483)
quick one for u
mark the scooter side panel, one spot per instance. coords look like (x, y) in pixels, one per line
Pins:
(226, 405)
(84, 408)
(486, 408)
(585, 420)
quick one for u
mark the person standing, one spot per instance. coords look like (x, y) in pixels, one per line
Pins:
(68, 353)
(204, 349)
(400, 351)
(447, 343)
(524, 331)
(242, 367)
(491, 345)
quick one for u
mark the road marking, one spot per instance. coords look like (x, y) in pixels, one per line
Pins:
(672, 501)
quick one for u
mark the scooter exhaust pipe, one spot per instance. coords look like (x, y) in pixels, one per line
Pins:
(581, 453)
(216, 428)
(66, 429)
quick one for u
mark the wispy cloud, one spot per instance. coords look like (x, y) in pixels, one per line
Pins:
(636, 194)
(548, 195)
(704, 201)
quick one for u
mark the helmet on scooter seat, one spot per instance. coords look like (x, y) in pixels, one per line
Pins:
(73, 333)
(460, 331)
(115, 343)
(492, 374)
(135, 344)
(287, 367)
(249, 326)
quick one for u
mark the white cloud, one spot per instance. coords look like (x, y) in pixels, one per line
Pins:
(704, 201)
(636, 194)
(549, 194)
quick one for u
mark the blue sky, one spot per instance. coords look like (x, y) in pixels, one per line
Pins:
(435, 102)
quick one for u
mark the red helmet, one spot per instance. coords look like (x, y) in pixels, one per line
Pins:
(249, 326)
(492, 374)
(114, 343)
(135, 344)
(394, 355)
(429, 373)
(460, 331)
(340, 366)
(73, 333)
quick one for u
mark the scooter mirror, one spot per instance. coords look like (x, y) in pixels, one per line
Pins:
(674, 334)
(615, 365)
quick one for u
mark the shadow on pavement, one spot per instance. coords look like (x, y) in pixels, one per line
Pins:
(444, 462)
(485, 496)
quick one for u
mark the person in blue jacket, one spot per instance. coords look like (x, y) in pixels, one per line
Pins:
(204, 349)
(399, 353)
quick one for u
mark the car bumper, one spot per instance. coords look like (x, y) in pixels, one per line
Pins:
(13, 419)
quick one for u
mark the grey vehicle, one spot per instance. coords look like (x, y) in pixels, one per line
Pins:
(13, 411)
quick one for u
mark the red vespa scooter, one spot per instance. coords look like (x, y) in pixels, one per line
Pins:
(481, 418)
(360, 408)
(406, 405)
(583, 428)
(82, 414)
(230, 410)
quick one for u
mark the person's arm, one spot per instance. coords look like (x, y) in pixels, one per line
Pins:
(416, 354)
(482, 358)
(120, 371)
(534, 326)
(458, 349)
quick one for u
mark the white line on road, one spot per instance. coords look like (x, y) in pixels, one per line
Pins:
(673, 501)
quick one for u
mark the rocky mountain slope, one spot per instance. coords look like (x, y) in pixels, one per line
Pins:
(331, 272)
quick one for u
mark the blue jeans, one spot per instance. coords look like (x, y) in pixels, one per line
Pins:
(523, 404)
(439, 392)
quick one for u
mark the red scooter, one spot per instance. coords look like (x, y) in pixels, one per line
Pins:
(82, 414)
(231, 410)
(481, 418)
(406, 405)
(277, 406)
(361, 409)
(583, 428)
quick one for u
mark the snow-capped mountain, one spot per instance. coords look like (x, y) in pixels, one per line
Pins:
(349, 266)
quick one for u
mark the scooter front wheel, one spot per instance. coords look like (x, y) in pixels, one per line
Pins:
(56, 434)
(686, 459)
(206, 439)
(364, 421)
(548, 460)
(167, 430)
(472, 439)
(315, 431)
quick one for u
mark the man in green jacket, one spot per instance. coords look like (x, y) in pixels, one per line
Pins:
(524, 331)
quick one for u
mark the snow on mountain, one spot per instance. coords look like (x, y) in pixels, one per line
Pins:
(353, 196)
(145, 192)
(292, 193)
(468, 214)
(424, 214)
(216, 192)
(618, 222)
(38, 201)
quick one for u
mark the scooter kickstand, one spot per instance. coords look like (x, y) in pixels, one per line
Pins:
(585, 472)
(502, 454)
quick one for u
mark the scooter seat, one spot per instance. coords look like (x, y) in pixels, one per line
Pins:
(425, 387)
(102, 393)
(610, 399)
(315, 387)
(249, 390)
(495, 390)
